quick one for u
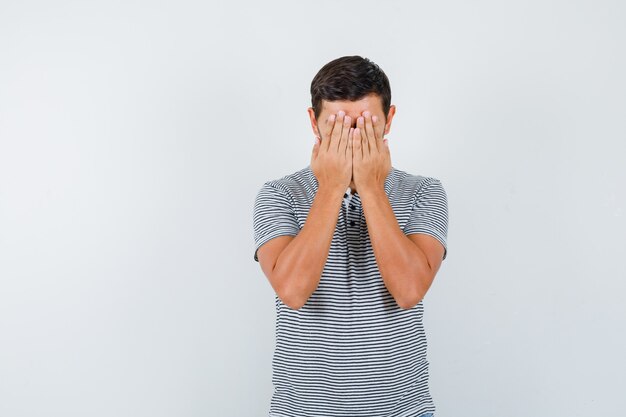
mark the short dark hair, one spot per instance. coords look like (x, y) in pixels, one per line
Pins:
(349, 78)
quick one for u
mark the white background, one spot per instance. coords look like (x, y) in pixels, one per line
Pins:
(135, 135)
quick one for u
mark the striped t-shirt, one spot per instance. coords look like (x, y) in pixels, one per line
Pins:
(350, 350)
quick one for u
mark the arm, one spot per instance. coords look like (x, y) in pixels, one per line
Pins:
(294, 267)
(407, 265)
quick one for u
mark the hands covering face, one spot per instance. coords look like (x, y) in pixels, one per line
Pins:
(346, 154)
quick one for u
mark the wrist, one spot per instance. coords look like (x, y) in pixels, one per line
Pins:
(376, 190)
(331, 190)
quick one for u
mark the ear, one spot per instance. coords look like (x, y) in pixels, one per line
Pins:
(392, 112)
(313, 121)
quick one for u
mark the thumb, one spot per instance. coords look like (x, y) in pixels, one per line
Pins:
(316, 147)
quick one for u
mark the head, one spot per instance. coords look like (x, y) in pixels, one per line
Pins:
(352, 84)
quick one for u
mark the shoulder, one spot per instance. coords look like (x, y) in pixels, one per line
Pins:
(298, 185)
(416, 184)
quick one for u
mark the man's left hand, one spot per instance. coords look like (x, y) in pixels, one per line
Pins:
(371, 160)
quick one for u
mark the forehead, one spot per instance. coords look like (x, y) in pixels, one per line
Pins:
(371, 102)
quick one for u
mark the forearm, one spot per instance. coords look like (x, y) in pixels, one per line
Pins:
(403, 266)
(301, 263)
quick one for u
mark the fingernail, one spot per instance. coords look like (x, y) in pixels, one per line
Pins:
(341, 113)
(374, 119)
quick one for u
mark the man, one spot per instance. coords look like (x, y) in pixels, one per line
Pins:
(350, 245)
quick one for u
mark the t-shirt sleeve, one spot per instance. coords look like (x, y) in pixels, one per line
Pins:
(430, 213)
(273, 216)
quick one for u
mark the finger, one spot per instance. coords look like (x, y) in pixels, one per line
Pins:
(357, 148)
(316, 149)
(376, 125)
(328, 128)
(385, 148)
(348, 148)
(350, 142)
(361, 126)
(371, 135)
(337, 129)
(347, 121)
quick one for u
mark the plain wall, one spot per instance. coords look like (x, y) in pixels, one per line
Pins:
(135, 135)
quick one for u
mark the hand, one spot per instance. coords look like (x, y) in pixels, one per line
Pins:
(331, 160)
(371, 160)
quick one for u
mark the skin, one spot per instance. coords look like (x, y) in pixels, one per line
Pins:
(371, 103)
(357, 157)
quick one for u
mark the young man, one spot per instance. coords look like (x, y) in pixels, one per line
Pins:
(350, 245)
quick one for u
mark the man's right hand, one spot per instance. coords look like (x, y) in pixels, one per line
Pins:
(331, 161)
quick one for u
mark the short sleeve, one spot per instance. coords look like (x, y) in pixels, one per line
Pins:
(430, 213)
(273, 216)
